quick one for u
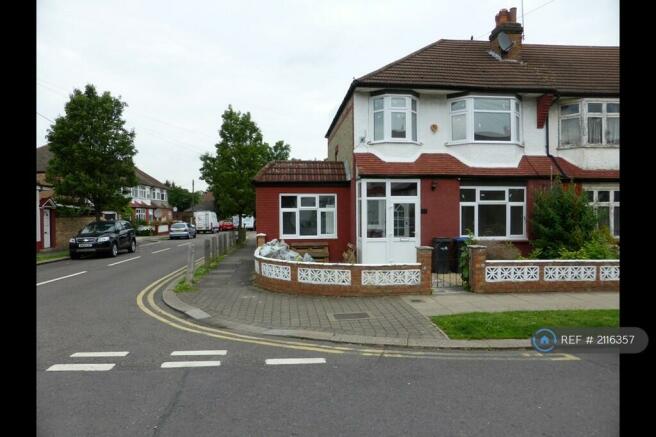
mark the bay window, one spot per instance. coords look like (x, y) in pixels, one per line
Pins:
(485, 119)
(394, 118)
(308, 215)
(589, 122)
(493, 212)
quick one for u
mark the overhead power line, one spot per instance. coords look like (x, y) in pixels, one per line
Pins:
(38, 113)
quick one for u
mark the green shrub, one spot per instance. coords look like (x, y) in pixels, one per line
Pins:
(600, 246)
(562, 220)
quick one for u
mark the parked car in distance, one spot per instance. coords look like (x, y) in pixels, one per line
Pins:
(247, 222)
(106, 237)
(182, 230)
(226, 225)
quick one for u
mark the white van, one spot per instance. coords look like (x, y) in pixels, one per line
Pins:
(247, 222)
(206, 221)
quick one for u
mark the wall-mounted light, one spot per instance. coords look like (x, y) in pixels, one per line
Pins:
(434, 127)
(433, 185)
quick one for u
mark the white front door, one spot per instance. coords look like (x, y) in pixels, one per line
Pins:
(46, 228)
(390, 221)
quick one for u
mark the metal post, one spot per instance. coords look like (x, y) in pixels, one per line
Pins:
(213, 247)
(217, 245)
(190, 263)
(208, 257)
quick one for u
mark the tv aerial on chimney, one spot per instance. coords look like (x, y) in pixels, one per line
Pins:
(505, 43)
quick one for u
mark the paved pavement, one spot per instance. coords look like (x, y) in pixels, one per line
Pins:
(227, 298)
(148, 380)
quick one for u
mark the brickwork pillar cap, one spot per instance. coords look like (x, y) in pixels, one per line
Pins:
(477, 246)
(424, 248)
(260, 235)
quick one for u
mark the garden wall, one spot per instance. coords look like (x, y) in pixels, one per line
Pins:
(517, 276)
(341, 279)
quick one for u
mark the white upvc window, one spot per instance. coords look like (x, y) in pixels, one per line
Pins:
(485, 119)
(156, 194)
(140, 214)
(141, 192)
(394, 118)
(606, 203)
(308, 216)
(164, 196)
(590, 122)
(135, 192)
(493, 212)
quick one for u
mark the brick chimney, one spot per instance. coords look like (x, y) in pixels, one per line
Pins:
(507, 35)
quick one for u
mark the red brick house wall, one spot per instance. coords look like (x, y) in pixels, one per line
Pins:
(267, 212)
(442, 218)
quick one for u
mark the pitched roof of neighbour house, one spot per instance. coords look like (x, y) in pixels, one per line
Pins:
(465, 65)
(43, 156)
(146, 179)
(443, 164)
(207, 203)
(302, 171)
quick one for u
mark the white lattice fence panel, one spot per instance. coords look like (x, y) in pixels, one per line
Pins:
(512, 273)
(570, 273)
(391, 277)
(324, 276)
(277, 272)
(609, 273)
(257, 267)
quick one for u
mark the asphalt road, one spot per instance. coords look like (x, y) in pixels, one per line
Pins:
(447, 393)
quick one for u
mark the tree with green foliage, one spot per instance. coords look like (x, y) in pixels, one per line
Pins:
(182, 198)
(92, 152)
(240, 154)
(562, 220)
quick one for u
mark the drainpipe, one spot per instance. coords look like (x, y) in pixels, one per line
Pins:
(553, 159)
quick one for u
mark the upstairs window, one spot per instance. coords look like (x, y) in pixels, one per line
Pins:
(485, 119)
(587, 122)
(394, 118)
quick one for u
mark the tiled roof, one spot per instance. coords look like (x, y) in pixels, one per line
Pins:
(443, 164)
(146, 179)
(302, 171)
(467, 64)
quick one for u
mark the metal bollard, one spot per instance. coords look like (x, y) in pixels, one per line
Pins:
(190, 263)
(208, 256)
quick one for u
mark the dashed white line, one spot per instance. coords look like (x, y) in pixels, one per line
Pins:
(275, 361)
(176, 364)
(124, 261)
(99, 354)
(161, 250)
(183, 244)
(57, 279)
(80, 367)
(190, 353)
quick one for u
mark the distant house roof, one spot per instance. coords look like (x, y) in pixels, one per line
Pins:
(465, 65)
(207, 203)
(43, 156)
(443, 164)
(302, 172)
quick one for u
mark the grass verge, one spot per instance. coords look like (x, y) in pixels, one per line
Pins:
(49, 256)
(521, 324)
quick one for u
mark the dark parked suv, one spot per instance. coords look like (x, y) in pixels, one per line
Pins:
(106, 237)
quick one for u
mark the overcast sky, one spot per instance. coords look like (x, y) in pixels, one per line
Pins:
(178, 65)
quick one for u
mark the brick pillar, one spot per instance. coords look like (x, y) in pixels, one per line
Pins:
(261, 239)
(477, 258)
(425, 257)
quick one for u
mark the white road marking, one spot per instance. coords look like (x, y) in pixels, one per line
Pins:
(183, 244)
(57, 279)
(161, 250)
(124, 261)
(99, 354)
(189, 353)
(176, 364)
(149, 244)
(80, 367)
(274, 361)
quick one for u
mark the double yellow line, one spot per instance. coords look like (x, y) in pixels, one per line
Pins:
(146, 302)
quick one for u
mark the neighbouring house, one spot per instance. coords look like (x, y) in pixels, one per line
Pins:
(149, 200)
(454, 137)
(46, 235)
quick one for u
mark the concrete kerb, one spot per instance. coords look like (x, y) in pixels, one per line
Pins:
(48, 261)
(171, 299)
